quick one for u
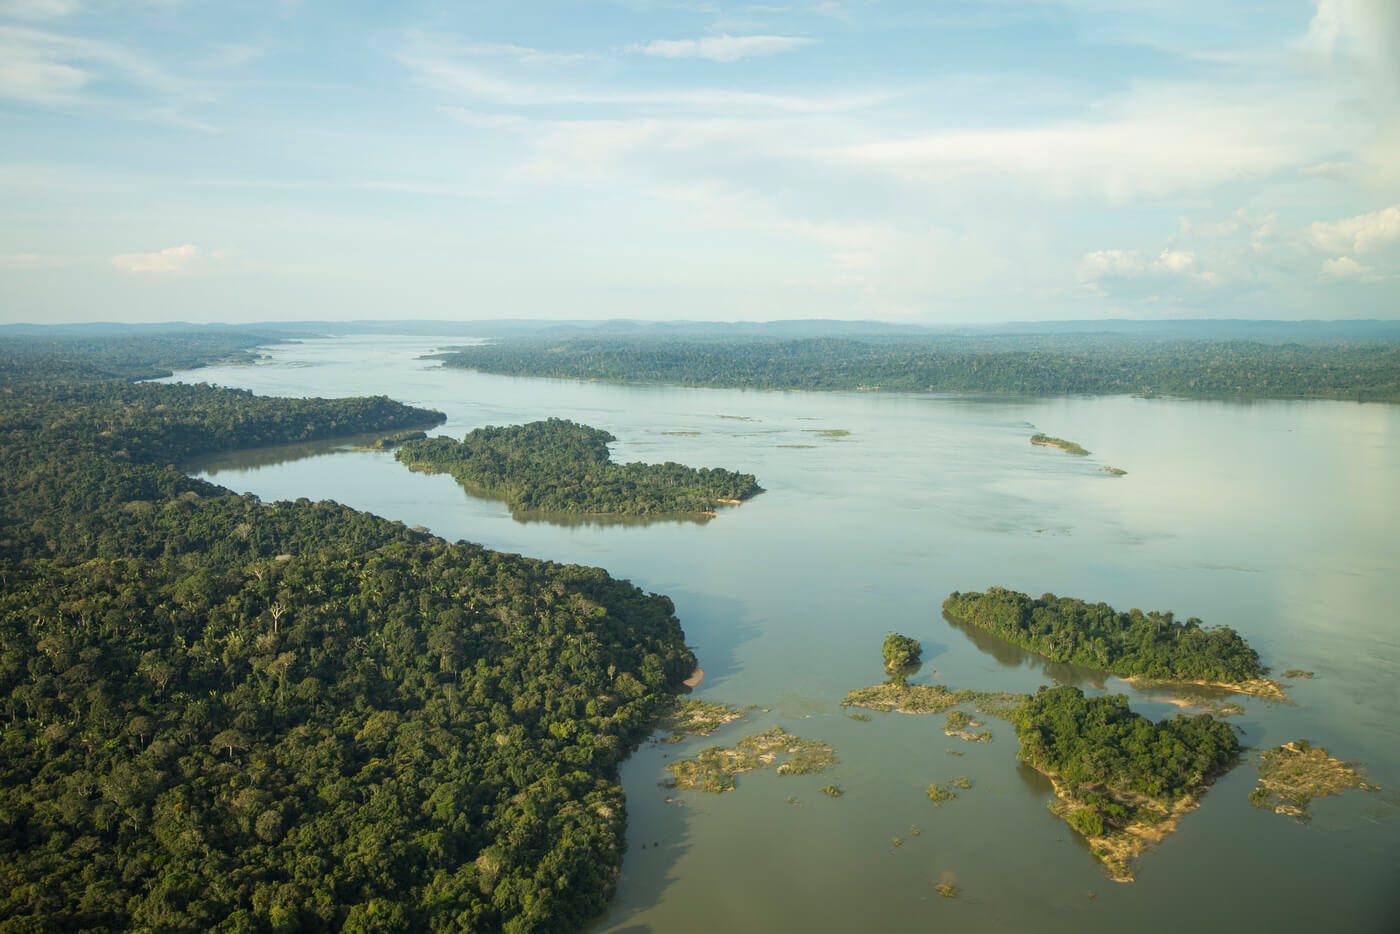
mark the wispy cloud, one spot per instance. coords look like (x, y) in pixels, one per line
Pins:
(38, 9)
(724, 48)
(170, 259)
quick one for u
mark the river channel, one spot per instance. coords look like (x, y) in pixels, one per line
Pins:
(1279, 519)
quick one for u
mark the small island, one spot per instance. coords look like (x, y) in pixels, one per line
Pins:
(901, 652)
(1134, 645)
(692, 717)
(901, 697)
(1069, 447)
(713, 770)
(1291, 775)
(563, 467)
(1123, 781)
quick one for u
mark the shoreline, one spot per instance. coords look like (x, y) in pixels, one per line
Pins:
(1266, 688)
(695, 678)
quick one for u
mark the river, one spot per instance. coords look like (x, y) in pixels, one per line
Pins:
(1279, 519)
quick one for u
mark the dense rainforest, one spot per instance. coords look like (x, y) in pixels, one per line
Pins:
(1102, 755)
(561, 466)
(224, 714)
(1352, 370)
(1095, 635)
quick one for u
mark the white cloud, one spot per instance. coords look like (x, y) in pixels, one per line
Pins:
(170, 259)
(1361, 234)
(723, 48)
(1101, 263)
(1343, 267)
(31, 260)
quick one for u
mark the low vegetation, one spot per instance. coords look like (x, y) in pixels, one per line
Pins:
(1069, 447)
(692, 717)
(1291, 775)
(714, 768)
(902, 697)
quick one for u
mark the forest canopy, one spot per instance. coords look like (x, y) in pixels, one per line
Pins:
(558, 465)
(224, 714)
(1359, 370)
(1095, 635)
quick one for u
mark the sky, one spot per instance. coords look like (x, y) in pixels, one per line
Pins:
(932, 161)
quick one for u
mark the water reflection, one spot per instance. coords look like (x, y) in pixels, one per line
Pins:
(572, 520)
(212, 465)
(1013, 656)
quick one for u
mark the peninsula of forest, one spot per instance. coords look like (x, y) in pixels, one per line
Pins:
(561, 466)
(229, 714)
(1133, 645)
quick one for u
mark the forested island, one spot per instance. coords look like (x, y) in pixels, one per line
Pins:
(226, 714)
(558, 465)
(1353, 369)
(1133, 644)
(1123, 781)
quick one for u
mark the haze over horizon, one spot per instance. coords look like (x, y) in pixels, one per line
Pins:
(964, 162)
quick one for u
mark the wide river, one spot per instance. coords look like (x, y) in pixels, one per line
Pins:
(1279, 519)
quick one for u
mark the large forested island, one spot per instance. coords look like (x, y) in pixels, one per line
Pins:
(225, 714)
(1149, 645)
(1359, 370)
(561, 466)
(1122, 780)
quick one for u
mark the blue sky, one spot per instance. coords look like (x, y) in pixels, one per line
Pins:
(930, 161)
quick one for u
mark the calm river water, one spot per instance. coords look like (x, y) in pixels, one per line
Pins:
(1280, 519)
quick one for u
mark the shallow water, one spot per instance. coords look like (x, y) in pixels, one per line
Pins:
(1280, 519)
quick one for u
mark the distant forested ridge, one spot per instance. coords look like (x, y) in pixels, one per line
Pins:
(561, 466)
(1361, 370)
(1095, 635)
(229, 715)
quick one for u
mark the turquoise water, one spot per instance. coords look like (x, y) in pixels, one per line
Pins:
(1280, 519)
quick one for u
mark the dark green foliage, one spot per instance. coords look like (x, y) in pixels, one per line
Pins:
(1099, 741)
(1361, 370)
(1097, 636)
(900, 651)
(561, 466)
(223, 714)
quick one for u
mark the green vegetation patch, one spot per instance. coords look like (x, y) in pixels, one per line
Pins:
(682, 434)
(1122, 781)
(961, 724)
(564, 467)
(798, 447)
(900, 652)
(1131, 644)
(1326, 369)
(828, 432)
(1115, 471)
(940, 793)
(714, 768)
(1291, 775)
(946, 889)
(692, 717)
(902, 697)
(231, 714)
(1069, 447)
(1297, 673)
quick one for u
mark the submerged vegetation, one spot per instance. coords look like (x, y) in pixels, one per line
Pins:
(561, 466)
(714, 768)
(1122, 780)
(1132, 644)
(1291, 775)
